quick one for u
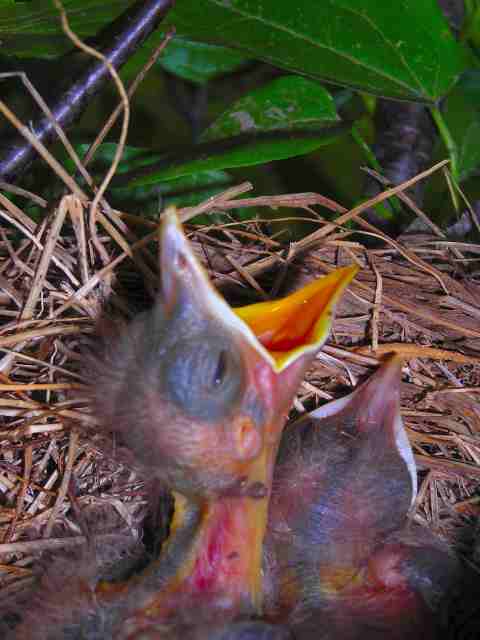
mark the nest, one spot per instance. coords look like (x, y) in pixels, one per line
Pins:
(418, 295)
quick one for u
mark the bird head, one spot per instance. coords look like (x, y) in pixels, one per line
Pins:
(345, 478)
(200, 391)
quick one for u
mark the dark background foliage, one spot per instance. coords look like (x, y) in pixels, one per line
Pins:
(293, 96)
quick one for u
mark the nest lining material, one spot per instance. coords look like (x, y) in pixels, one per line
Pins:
(412, 296)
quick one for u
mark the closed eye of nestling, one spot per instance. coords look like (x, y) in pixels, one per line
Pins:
(221, 369)
(203, 377)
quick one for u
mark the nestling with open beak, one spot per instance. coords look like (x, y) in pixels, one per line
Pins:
(199, 393)
(198, 390)
(342, 561)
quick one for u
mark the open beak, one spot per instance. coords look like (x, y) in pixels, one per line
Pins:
(275, 342)
(280, 331)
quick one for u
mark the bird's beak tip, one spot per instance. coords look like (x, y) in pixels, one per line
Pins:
(298, 324)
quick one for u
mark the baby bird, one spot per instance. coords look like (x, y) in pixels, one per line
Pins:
(342, 560)
(200, 394)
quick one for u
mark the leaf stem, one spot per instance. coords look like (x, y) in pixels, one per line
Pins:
(450, 145)
(374, 164)
(448, 141)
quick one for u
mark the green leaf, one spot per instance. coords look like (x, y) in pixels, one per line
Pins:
(291, 102)
(32, 29)
(41, 16)
(471, 26)
(132, 158)
(242, 151)
(199, 61)
(151, 198)
(401, 49)
(186, 191)
(288, 117)
(461, 116)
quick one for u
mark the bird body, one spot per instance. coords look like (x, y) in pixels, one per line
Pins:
(342, 559)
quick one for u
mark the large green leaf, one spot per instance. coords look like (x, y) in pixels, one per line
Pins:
(291, 102)
(149, 199)
(400, 49)
(33, 28)
(243, 151)
(41, 16)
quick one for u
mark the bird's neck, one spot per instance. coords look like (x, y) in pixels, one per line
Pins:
(213, 555)
(225, 556)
